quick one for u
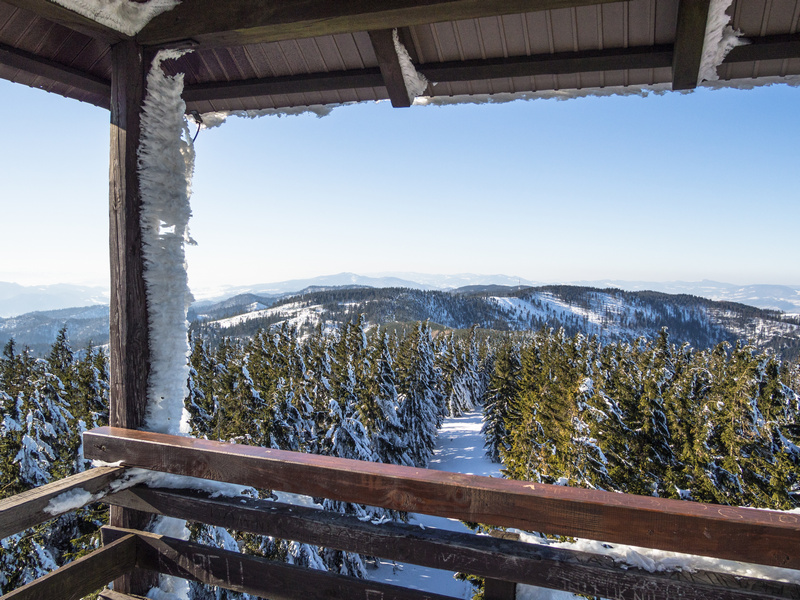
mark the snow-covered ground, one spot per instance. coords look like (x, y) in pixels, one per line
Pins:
(459, 449)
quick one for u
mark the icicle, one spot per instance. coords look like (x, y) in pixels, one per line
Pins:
(121, 15)
(720, 39)
(166, 163)
(416, 83)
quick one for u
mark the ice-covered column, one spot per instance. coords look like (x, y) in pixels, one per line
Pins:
(166, 164)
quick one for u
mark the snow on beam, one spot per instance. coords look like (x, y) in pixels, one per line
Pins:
(68, 18)
(41, 504)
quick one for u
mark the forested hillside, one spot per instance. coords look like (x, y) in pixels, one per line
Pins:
(611, 314)
(650, 417)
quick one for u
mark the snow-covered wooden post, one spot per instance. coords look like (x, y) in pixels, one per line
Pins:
(129, 346)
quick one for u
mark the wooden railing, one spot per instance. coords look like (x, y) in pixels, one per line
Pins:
(754, 536)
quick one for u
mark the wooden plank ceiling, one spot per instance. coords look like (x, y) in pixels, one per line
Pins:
(258, 54)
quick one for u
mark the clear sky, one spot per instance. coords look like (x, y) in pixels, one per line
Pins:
(693, 186)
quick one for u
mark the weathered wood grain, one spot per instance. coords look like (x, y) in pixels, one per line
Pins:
(256, 575)
(757, 536)
(83, 576)
(129, 355)
(24, 510)
(256, 21)
(500, 557)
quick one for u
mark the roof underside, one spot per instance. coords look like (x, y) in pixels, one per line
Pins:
(308, 52)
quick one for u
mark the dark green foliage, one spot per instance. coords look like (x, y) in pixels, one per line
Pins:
(649, 418)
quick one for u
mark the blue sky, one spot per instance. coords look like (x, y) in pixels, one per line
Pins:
(670, 187)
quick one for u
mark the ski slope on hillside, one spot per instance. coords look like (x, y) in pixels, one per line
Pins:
(459, 449)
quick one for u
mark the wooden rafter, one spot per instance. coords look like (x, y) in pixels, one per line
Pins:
(689, 39)
(255, 21)
(391, 71)
(63, 16)
(770, 47)
(614, 59)
(546, 64)
(54, 71)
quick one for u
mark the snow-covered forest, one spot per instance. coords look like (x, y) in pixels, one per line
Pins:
(651, 417)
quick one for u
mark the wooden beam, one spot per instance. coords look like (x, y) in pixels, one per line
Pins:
(689, 38)
(291, 84)
(56, 13)
(49, 69)
(255, 575)
(83, 576)
(129, 336)
(257, 21)
(27, 509)
(503, 560)
(770, 47)
(391, 71)
(521, 66)
(559, 63)
(758, 536)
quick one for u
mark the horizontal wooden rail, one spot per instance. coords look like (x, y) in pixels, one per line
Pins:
(254, 575)
(533, 564)
(27, 509)
(83, 576)
(756, 536)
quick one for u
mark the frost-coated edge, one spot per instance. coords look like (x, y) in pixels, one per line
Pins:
(720, 39)
(166, 164)
(120, 15)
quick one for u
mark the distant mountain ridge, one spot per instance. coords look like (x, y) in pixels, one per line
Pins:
(611, 314)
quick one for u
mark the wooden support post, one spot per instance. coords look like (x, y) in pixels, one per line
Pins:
(128, 347)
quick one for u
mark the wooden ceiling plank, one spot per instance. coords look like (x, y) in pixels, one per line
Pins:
(391, 70)
(560, 63)
(67, 18)
(53, 71)
(689, 37)
(293, 84)
(445, 72)
(255, 21)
